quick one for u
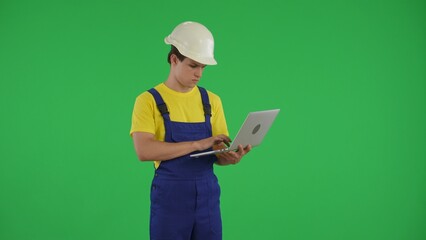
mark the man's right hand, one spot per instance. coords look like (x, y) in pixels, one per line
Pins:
(206, 143)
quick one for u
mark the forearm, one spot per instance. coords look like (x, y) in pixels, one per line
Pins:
(149, 149)
(155, 150)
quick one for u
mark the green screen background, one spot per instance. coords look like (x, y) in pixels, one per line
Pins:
(345, 159)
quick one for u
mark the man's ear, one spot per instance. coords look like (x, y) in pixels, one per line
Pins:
(173, 59)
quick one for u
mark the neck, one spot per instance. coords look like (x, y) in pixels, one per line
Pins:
(173, 84)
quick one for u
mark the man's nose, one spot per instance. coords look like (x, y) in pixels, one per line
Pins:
(199, 72)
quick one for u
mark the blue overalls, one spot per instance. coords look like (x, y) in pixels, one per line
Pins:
(185, 192)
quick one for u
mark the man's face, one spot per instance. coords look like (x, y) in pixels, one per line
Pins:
(188, 72)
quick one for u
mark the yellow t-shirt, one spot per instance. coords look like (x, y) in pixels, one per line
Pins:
(183, 107)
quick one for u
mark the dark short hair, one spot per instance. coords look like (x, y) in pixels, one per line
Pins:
(176, 52)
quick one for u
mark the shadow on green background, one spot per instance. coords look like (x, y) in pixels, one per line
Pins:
(345, 159)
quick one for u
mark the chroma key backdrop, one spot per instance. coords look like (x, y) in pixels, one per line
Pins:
(344, 160)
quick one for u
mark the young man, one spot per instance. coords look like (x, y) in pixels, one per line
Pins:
(173, 120)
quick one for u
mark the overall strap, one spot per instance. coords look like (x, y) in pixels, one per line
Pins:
(206, 106)
(162, 107)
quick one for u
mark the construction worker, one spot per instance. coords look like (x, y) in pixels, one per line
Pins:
(173, 120)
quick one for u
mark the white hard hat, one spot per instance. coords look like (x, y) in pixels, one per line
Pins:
(193, 40)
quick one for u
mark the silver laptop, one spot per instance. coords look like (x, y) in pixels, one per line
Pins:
(251, 132)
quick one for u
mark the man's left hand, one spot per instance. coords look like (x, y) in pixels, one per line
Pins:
(233, 157)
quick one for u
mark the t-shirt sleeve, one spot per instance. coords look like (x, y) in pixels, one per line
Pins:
(218, 117)
(143, 114)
